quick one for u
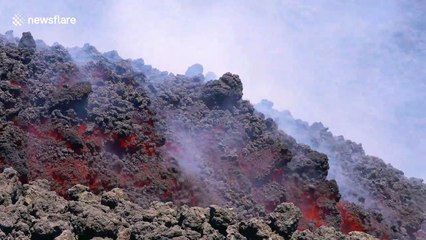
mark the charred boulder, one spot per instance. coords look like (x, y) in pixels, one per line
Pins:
(285, 218)
(221, 218)
(27, 41)
(194, 70)
(32, 211)
(224, 92)
(74, 97)
(257, 229)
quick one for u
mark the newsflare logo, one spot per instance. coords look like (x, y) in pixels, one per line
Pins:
(18, 20)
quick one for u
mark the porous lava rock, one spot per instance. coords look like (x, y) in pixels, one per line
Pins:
(27, 41)
(83, 120)
(32, 211)
(376, 197)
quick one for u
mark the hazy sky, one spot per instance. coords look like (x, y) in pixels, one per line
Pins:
(357, 66)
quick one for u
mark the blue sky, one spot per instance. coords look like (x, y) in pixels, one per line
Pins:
(357, 66)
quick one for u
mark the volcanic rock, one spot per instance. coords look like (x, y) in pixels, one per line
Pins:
(91, 124)
(10, 38)
(194, 70)
(285, 219)
(11, 187)
(112, 56)
(70, 96)
(223, 92)
(221, 218)
(39, 213)
(27, 41)
(375, 195)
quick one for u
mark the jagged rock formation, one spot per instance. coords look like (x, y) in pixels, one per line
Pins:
(77, 116)
(32, 211)
(194, 70)
(27, 41)
(364, 181)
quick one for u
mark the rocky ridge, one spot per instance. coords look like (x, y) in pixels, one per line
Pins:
(79, 117)
(33, 211)
(366, 182)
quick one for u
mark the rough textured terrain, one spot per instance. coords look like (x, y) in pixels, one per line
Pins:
(32, 211)
(77, 116)
(365, 182)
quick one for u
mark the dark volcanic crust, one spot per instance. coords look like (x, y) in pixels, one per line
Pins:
(394, 201)
(32, 211)
(105, 122)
